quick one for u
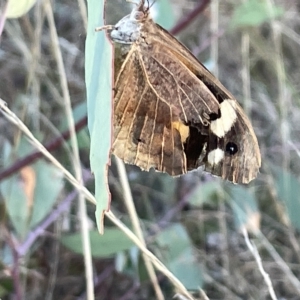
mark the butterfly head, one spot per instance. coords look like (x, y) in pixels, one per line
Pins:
(127, 30)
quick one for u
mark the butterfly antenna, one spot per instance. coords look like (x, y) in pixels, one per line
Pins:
(150, 5)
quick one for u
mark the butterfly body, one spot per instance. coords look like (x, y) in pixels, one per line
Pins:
(171, 113)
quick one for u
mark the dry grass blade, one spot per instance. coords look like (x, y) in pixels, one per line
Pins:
(75, 151)
(254, 46)
(137, 226)
(258, 259)
(158, 264)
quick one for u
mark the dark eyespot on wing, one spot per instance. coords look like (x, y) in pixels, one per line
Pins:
(231, 148)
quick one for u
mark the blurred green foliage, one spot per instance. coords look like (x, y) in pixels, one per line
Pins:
(192, 223)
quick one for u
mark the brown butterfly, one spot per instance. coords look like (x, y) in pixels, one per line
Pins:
(170, 112)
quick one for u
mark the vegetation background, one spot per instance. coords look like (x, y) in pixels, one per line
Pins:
(197, 225)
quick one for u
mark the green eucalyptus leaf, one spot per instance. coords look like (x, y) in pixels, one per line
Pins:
(16, 203)
(179, 256)
(102, 246)
(254, 13)
(205, 192)
(49, 182)
(29, 195)
(245, 208)
(288, 191)
(98, 75)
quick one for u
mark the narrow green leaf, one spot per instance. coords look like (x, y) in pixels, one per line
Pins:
(244, 206)
(98, 75)
(12, 189)
(49, 182)
(16, 204)
(288, 190)
(205, 192)
(254, 13)
(129, 262)
(102, 246)
(18, 8)
(179, 256)
(30, 195)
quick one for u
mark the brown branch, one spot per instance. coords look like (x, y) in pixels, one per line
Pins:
(29, 159)
(184, 22)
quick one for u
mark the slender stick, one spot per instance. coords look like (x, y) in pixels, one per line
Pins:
(156, 262)
(136, 225)
(87, 252)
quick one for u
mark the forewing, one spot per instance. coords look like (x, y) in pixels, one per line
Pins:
(144, 132)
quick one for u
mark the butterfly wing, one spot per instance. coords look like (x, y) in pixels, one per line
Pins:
(235, 156)
(231, 149)
(143, 130)
(171, 114)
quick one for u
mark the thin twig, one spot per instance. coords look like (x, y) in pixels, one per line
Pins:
(3, 17)
(136, 225)
(158, 264)
(257, 257)
(283, 94)
(51, 146)
(83, 12)
(214, 29)
(283, 265)
(245, 48)
(15, 270)
(62, 207)
(23, 248)
(190, 17)
(87, 253)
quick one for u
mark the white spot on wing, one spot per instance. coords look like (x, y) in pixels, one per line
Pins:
(228, 116)
(215, 156)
